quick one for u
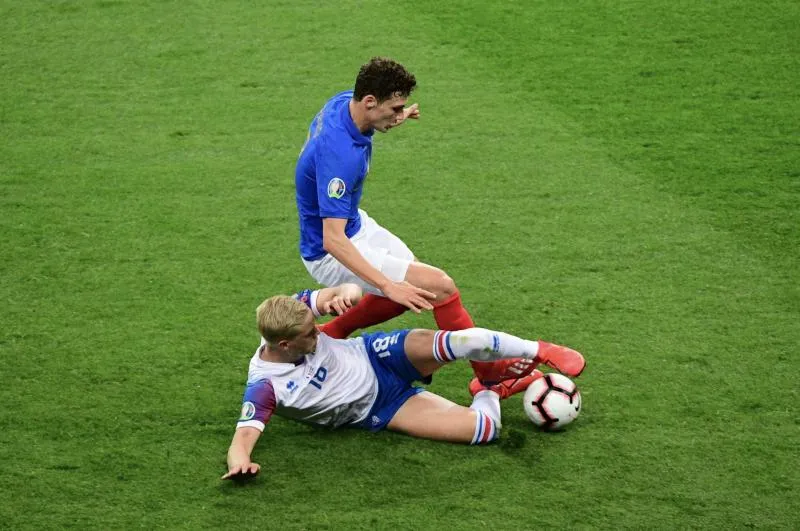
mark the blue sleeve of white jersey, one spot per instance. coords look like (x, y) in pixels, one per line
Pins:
(257, 405)
(309, 298)
(337, 176)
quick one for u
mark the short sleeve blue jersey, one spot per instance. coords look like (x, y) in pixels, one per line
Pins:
(330, 173)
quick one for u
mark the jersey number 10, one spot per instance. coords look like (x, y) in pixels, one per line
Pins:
(319, 377)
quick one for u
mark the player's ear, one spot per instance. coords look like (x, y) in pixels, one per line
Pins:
(283, 343)
(370, 101)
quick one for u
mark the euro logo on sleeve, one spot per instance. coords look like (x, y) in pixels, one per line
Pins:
(336, 188)
(248, 411)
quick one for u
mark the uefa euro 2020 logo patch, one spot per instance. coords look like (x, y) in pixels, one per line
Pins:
(336, 188)
(248, 411)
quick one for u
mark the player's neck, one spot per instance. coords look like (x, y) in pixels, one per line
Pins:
(276, 356)
(359, 116)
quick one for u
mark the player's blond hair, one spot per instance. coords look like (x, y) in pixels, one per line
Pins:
(281, 317)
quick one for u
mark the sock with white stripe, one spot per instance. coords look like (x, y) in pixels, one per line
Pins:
(480, 344)
(487, 423)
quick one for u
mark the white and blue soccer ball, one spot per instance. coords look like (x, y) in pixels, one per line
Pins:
(552, 401)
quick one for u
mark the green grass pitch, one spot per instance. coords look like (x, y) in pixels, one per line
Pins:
(621, 177)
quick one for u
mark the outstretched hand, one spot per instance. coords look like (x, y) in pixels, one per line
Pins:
(411, 112)
(414, 298)
(241, 472)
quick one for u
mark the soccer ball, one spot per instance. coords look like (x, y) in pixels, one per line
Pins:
(552, 401)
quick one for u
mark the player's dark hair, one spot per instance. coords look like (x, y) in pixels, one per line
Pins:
(383, 78)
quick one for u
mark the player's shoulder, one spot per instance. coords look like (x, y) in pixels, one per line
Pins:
(261, 370)
(261, 382)
(326, 343)
(342, 97)
(334, 116)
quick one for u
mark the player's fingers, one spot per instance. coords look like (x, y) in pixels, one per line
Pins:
(402, 296)
(337, 306)
(425, 305)
(419, 303)
(425, 293)
(232, 472)
(411, 306)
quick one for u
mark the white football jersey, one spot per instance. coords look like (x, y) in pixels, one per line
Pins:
(336, 385)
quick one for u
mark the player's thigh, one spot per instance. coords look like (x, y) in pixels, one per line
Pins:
(431, 416)
(418, 347)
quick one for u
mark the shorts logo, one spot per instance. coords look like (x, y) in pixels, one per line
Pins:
(376, 420)
(336, 188)
(248, 411)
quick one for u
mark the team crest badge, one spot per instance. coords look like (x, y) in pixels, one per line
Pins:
(248, 411)
(336, 188)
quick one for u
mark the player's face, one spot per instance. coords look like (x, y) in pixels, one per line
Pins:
(387, 114)
(306, 341)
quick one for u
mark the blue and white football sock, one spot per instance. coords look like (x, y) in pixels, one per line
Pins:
(487, 422)
(480, 344)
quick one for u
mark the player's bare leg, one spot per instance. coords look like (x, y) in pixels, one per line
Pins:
(450, 314)
(375, 309)
(428, 350)
(432, 279)
(431, 416)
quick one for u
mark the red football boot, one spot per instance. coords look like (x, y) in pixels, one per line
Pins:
(563, 359)
(492, 372)
(505, 388)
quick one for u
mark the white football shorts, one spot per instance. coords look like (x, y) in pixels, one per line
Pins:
(385, 251)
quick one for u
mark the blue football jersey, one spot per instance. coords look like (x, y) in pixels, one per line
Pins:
(330, 173)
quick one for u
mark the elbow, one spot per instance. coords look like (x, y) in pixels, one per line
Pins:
(329, 243)
(332, 237)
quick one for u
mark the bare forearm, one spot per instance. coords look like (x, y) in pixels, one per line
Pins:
(244, 440)
(238, 454)
(345, 252)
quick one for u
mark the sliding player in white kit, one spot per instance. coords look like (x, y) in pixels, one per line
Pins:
(301, 373)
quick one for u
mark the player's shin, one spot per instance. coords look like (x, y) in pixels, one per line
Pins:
(450, 314)
(371, 310)
(487, 423)
(480, 344)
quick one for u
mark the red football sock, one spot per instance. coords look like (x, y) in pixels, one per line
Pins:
(450, 314)
(370, 310)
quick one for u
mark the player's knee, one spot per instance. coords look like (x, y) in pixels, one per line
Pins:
(443, 286)
(486, 429)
